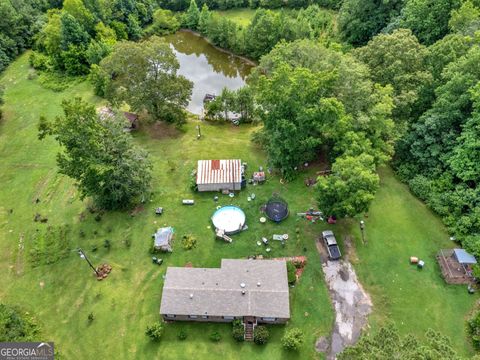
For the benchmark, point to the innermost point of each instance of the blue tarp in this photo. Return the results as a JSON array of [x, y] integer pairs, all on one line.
[[464, 257]]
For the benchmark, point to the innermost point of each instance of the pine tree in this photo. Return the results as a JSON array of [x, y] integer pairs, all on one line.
[[192, 16]]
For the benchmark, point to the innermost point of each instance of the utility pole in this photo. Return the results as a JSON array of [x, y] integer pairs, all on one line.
[[362, 229], [84, 256]]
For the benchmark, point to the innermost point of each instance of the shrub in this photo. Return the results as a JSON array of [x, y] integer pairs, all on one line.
[[90, 318], [39, 61], [16, 325], [292, 277], [215, 336], [182, 335], [155, 331], [107, 244], [293, 339], [473, 326], [238, 330], [189, 242], [260, 335]]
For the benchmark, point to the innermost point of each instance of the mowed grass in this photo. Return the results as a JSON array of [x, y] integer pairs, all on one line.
[[241, 16], [63, 294], [399, 226]]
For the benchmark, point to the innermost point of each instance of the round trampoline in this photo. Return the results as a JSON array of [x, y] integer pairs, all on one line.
[[276, 209], [230, 219]]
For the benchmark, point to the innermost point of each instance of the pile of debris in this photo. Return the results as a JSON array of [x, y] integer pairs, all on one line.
[[103, 271]]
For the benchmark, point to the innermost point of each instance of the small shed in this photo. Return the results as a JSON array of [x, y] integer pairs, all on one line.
[[163, 239], [131, 118], [218, 175], [456, 265]]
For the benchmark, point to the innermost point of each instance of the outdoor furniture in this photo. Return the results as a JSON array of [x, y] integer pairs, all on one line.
[[421, 264], [413, 260], [263, 220], [159, 210], [188, 202]]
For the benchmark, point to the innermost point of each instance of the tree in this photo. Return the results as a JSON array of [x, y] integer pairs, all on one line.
[[203, 19], [145, 76], [466, 19], [428, 19], [155, 331], [293, 339], [99, 155], [350, 188], [260, 335], [387, 344], [263, 32], [398, 59], [309, 96], [164, 22], [192, 16], [360, 20]]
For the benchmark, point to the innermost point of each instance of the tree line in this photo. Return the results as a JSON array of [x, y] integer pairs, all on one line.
[[21, 20], [182, 5], [266, 29]]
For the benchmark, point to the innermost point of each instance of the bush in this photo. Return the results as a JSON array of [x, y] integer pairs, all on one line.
[[292, 277], [155, 331], [90, 318], [39, 61], [16, 325], [215, 336], [182, 335], [293, 339], [238, 331], [260, 335], [57, 81], [189, 242], [473, 327], [107, 244]]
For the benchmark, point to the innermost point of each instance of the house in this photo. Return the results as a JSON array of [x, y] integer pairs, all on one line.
[[218, 175], [163, 239], [250, 290], [131, 118]]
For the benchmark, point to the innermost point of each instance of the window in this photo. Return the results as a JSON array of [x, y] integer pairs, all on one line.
[[169, 315], [228, 317], [204, 316], [269, 319], [192, 316]]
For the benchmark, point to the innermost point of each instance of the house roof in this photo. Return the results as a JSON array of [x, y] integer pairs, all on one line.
[[464, 257], [163, 236], [219, 291], [219, 171]]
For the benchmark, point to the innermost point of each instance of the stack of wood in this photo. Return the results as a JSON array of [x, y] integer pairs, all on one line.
[[103, 271]]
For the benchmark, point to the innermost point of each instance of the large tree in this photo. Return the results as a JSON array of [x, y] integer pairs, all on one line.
[[350, 188], [99, 155], [144, 75], [428, 19], [398, 59], [360, 20]]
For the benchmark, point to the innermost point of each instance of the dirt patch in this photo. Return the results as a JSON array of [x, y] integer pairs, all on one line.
[[351, 303], [161, 130]]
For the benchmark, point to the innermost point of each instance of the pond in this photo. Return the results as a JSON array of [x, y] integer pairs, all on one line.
[[209, 68]]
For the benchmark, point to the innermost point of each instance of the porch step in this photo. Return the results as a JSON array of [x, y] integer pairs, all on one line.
[[248, 332]]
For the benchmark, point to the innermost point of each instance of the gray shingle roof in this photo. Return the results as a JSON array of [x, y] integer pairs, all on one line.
[[218, 292]]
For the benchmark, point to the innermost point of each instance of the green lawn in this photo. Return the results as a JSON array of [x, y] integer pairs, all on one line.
[[241, 16], [63, 294]]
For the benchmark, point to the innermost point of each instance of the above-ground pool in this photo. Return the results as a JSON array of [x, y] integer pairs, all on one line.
[[231, 219]]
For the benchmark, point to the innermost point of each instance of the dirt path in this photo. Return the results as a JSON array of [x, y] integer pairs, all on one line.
[[351, 303]]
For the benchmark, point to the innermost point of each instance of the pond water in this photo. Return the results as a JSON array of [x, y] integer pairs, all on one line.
[[209, 68]]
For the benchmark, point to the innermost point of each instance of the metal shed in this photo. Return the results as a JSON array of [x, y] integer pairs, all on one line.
[[217, 175]]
